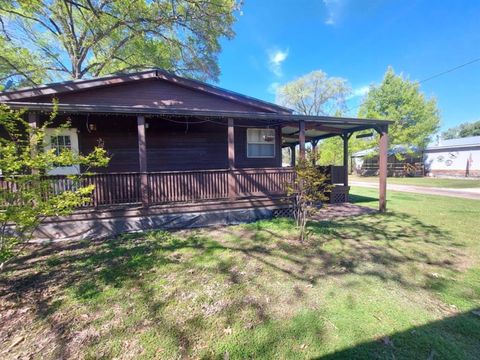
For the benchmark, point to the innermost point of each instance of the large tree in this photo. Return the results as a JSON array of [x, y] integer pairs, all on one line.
[[416, 118], [73, 39], [315, 94], [462, 130], [318, 94]]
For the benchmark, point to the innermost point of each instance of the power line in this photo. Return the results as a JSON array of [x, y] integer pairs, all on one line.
[[449, 70], [435, 76]]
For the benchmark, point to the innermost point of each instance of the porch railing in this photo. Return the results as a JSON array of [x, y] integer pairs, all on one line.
[[184, 186], [180, 186], [255, 182]]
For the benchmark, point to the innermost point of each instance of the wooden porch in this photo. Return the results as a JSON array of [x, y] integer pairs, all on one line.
[[180, 187], [236, 180]]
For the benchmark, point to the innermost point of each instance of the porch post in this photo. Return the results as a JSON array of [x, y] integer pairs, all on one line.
[[383, 169], [231, 159], [292, 155], [314, 151], [142, 159], [301, 138], [345, 138], [33, 119], [33, 122]]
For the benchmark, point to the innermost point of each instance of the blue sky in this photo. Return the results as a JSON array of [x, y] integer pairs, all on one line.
[[279, 40]]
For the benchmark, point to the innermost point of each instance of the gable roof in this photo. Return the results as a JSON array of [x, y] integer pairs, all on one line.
[[392, 150], [74, 86], [455, 143]]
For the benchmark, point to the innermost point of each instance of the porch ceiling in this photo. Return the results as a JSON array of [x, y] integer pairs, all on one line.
[[317, 127]]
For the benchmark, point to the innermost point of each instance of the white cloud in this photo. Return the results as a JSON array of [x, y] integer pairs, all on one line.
[[359, 92], [273, 87], [334, 9], [275, 60]]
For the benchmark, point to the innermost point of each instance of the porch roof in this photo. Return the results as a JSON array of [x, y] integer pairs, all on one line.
[[317, 127]]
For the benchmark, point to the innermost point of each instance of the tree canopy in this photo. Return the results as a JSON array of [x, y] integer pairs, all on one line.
[[318, 94], [45, 40], [462, 130], [314, 94], [396, 98]]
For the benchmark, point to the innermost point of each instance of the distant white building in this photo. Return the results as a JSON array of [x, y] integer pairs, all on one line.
[[455, 157], [410, 163]]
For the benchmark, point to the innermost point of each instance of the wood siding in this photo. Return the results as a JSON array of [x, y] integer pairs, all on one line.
[[149, 93], [172, 144]]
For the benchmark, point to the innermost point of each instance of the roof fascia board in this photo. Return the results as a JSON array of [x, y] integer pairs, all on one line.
[[129, 110]]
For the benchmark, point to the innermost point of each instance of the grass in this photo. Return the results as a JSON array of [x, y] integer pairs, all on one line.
[[401, 285], [425, 181]]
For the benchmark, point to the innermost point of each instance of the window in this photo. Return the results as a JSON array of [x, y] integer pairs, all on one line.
[[61, 142], [61, 139], [260, 143]]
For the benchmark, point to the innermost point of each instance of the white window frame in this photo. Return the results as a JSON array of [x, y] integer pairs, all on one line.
[[73, 134], [274, 143]]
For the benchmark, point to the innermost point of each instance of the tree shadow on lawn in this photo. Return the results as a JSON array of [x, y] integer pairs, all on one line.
[[381, 246], [355, 199], [422, 342], [382, 241]]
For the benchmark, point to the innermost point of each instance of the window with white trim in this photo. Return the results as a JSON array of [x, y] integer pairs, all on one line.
[[260, 143], [60, 142]]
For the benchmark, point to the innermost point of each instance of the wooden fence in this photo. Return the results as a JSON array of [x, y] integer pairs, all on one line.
[[394, 169], [178, 186]]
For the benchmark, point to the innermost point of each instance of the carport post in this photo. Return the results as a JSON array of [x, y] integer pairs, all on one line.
[[382, 164], [345, 138]]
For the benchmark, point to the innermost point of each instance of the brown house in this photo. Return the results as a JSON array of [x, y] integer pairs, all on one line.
[[183, 152]]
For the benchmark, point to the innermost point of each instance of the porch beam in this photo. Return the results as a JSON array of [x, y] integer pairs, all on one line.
[[301, 138], [142, 159], [382, 162], [307, 138], [326, 128], [318, 127], [327, 136], [321, 137], [231, 158]]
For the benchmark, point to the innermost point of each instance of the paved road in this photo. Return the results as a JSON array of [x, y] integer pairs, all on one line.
[[473, 193]]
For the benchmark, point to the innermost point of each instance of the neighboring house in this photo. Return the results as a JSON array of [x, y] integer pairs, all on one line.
[[183, 152], [454, 157], [402, 161]]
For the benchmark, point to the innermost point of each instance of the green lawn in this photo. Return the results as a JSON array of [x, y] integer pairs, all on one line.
[[425, 181], [401, 285]]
